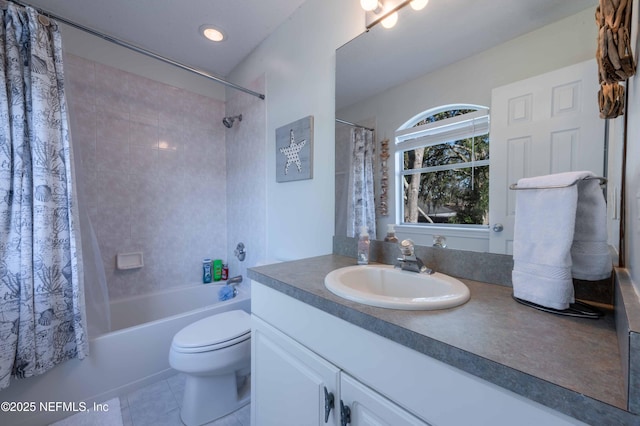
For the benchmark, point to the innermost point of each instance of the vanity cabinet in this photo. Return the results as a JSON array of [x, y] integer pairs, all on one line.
[[367, 407], [290, 385], [299, 350], [294, 386]]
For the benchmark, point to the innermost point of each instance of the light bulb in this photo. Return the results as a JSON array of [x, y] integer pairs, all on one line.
[[211, 33], [369, 5], [419, 4], [390, 21]]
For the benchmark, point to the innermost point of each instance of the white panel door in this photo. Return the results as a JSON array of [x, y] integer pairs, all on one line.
[[365, 407], [542, 125], [288, 381]]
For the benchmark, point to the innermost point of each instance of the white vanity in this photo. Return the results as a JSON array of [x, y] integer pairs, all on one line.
[[392, 367]]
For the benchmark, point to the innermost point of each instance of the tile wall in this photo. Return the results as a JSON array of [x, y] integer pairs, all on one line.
[[153, 174]]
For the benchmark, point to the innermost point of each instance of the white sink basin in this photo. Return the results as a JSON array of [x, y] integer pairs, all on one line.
[[387, 287]]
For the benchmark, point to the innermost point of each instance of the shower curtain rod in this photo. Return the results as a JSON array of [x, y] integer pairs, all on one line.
[[141, 50], [348, 123]]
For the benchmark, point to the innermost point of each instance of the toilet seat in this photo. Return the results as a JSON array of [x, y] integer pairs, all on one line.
[[213, 333]]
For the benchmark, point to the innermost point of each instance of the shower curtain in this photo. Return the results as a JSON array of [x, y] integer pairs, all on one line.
[[42, 318], [361, 208]]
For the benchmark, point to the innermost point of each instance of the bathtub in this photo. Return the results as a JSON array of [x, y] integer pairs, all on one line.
[[135, 354]]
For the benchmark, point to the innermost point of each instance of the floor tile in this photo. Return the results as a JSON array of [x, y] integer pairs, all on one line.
[[126, 416], [158, 404], [151, 403], [176, 384], [229, 420]]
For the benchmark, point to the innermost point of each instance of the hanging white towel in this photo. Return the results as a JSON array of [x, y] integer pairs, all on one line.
[[546, 225], [590, 252]]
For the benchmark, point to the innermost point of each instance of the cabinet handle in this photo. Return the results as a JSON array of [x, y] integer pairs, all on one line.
[[345, 414], [328, 404]]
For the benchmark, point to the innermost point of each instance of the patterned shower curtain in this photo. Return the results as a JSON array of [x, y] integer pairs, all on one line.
[[361, 208], [41, 290]]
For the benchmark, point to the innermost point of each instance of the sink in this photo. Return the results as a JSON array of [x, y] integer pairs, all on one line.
[[387, 287]]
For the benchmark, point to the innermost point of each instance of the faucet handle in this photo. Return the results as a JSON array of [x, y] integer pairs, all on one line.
[[407, 247]]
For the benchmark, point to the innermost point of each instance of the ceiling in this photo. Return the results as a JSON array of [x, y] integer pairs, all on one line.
[[444, 32], [170, 27], [449, 30]]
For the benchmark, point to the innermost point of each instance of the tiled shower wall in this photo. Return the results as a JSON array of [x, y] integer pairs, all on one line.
[[153, 174]]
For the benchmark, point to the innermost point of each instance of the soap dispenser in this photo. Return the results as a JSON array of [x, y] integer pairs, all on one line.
[[363, 246], [391, 233]]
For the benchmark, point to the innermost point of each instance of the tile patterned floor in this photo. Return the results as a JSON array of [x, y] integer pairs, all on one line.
[[158, 404]]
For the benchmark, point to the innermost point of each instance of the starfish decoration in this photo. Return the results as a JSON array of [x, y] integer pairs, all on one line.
[[292, 152]]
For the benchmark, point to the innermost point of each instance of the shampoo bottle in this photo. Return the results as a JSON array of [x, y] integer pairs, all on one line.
[[217, 270], [363, 246], [206, 270]]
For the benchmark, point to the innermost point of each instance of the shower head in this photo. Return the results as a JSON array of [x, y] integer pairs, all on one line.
[[228, 121]]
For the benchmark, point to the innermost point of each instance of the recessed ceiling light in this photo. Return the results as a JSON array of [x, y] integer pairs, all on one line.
[[212, 33]]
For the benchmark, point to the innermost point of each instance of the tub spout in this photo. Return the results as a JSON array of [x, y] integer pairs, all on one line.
[[235, 280]]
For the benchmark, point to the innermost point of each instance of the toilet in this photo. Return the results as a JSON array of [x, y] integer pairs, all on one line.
[[215, 355]]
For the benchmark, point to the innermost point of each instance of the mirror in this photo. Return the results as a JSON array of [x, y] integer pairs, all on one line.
[[451, 52]]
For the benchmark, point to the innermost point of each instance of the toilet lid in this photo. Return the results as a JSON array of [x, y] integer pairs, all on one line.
[[214, 332]]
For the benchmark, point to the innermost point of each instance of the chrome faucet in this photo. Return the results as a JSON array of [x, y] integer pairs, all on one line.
[[409, 261], [235, 280]]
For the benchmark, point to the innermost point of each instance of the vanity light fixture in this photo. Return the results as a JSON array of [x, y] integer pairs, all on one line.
[[212, 33], [390, 21], [369, 5], [419, 4], [386, 11]]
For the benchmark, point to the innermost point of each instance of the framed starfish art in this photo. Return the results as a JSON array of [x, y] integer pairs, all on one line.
[[294, 150]]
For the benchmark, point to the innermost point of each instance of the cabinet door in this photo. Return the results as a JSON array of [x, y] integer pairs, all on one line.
[[367, 407], [288, 381]]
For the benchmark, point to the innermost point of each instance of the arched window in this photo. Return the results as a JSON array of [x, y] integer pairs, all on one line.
[[443, 166]]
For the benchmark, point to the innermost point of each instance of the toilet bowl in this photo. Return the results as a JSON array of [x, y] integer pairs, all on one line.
[[215, 355]]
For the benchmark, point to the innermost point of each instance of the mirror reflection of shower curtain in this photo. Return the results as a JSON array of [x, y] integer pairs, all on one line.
[[361, 208]]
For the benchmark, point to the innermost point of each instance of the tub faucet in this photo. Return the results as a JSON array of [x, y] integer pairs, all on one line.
[[409, 261], [235, 280]]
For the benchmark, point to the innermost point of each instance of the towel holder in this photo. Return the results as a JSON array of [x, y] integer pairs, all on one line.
[[514, 186], [577, 309]]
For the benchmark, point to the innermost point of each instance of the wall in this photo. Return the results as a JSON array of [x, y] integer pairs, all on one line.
[[154, 173], [470, 81], [298, 61]]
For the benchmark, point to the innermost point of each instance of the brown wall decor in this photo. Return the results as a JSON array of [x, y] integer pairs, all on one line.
[[383, 208], [614, 54]]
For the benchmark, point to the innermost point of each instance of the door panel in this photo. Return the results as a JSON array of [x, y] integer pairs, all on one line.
[[545, 124]]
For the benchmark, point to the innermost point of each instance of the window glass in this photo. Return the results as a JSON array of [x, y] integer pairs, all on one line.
[[446, 181]]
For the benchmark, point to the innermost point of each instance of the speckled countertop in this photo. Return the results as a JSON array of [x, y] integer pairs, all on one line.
[[569, 364]]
